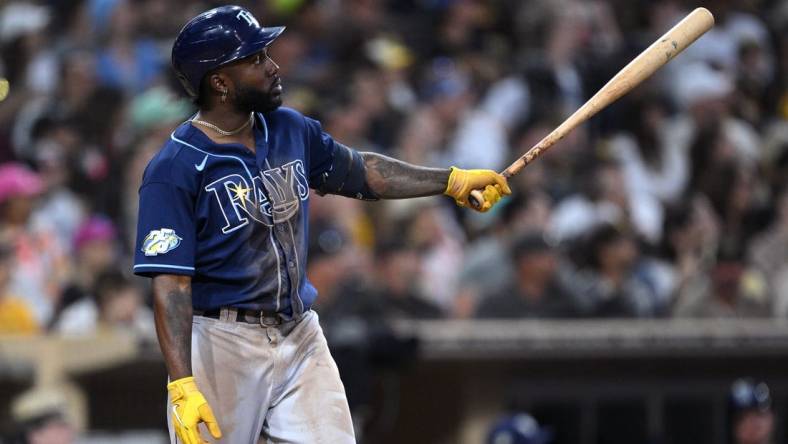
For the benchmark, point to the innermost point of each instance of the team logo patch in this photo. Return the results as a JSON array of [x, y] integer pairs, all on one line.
[[160, 241]]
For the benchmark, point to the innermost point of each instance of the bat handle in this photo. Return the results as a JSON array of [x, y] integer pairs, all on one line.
[[476, 199]]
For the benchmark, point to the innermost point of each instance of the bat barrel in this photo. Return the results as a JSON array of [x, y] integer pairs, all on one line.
[[652, 58], [665, 49]]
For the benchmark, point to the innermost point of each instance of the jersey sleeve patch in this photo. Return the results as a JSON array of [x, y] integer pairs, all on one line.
[[160, 241]]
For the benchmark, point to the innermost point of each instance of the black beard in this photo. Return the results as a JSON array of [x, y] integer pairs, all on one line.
[[249, 100]]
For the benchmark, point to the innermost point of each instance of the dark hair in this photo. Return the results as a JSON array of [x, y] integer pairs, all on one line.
[[201, 101], [601, 237], [16, 58], [702, 159], [593, 186], [677, 217], [108, 284], [511, 206], [391, 245], [529, 243], [647, 138]]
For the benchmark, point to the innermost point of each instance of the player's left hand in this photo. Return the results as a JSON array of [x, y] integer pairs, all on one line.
[[462, 182], [189, 409]]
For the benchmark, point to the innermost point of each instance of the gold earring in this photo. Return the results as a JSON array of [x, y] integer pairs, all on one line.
[[224, 95]]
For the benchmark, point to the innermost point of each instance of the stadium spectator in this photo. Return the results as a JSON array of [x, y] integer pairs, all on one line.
[[334, 269], [117, 305], [536, 289], [397, 266], [43, 416], [448, 95], [16, 316], [605, 200], [733, 291], [437, 235], [121, 307], [40, 262], [127, 60], [689, 252], [767, 254], [649, 164], [750, 409], [487, 268], [616, 281], [519, 428], [96, 251]]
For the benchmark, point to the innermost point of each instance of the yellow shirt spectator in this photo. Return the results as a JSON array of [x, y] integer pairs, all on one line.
[[16, 317]]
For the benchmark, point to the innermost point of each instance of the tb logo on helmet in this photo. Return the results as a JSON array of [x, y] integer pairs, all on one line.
[[248, 17]]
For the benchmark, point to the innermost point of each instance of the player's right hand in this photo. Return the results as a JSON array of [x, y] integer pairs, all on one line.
[[189, 408]]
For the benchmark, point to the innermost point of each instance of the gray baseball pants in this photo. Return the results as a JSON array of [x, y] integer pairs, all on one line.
[[276, 384]]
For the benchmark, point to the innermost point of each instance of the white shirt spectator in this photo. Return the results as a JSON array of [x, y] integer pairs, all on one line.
[[664, 182]]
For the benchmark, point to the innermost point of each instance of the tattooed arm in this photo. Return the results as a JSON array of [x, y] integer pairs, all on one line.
[[172, 308], [393, 179]]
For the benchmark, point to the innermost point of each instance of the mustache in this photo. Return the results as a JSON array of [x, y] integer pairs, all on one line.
[[277, 82]]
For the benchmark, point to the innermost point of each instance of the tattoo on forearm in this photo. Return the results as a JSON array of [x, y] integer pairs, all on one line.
[[173, 316], [393, 179]]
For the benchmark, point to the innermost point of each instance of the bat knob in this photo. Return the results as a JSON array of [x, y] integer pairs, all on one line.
[[476, 199]]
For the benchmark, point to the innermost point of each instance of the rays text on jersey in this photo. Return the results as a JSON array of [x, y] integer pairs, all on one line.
[[271, 197]]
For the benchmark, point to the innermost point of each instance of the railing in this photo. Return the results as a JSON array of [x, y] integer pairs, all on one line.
[[534, 339]]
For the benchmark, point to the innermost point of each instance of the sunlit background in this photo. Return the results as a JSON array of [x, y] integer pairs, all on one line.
[[637, 270]]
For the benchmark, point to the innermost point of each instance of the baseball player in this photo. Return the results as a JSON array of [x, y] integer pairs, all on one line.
[[222, 231], [750, 411], [519, 428]]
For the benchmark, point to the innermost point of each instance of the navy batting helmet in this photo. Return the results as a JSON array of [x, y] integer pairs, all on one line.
[[215, 38], [520, 428], [747, 394]]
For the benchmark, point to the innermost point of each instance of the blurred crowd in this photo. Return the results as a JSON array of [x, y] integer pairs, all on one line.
[[672, 202]]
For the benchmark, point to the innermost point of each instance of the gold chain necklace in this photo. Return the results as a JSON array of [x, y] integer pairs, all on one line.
[[223, 132]]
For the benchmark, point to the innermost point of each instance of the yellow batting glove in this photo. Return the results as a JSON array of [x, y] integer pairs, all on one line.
[[189, 408], [462, 182]]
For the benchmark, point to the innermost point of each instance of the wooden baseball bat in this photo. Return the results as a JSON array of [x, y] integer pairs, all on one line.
[[642, 67]]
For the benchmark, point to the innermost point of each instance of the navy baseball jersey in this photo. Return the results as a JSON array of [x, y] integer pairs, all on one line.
[[234, 220]]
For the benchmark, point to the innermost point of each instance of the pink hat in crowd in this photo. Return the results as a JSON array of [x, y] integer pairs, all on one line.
[[17, 180], [96, 228]]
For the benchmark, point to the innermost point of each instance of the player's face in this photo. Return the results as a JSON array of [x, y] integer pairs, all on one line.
[[754, 428], [258, 86]]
